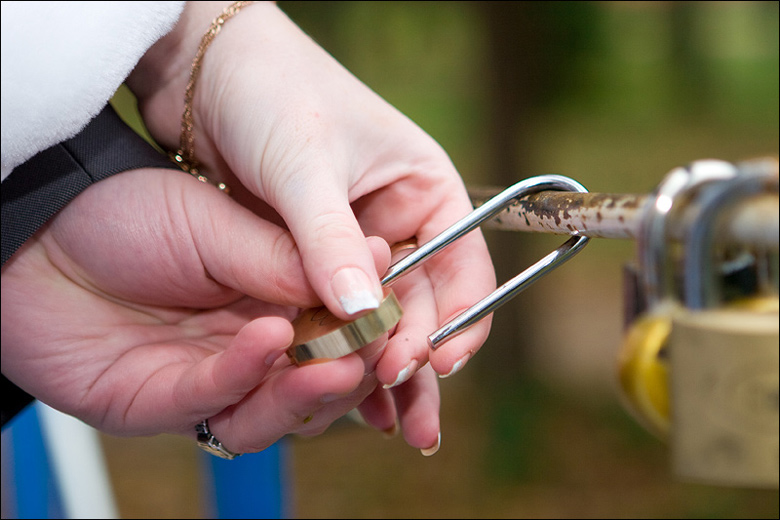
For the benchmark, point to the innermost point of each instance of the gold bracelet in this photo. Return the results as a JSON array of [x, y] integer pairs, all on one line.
[[185, 155]]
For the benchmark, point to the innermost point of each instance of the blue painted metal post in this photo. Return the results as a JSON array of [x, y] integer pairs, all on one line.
[[254, 485], [29, 487]]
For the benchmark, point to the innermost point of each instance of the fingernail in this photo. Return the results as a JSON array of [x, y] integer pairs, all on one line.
[[354, 290], [391, 432], [329, 398], [457, 366], [271, 358], [427, 452], [404, 374]]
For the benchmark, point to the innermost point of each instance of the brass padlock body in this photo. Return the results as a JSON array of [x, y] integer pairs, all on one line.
[[725, 397]]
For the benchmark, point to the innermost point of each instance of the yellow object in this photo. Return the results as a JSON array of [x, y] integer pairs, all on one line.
[[643, 372]]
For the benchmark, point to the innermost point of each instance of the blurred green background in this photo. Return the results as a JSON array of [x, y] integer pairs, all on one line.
[[613, 94]]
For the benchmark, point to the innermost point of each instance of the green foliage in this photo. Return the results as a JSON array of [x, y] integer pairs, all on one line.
[[620, 65]]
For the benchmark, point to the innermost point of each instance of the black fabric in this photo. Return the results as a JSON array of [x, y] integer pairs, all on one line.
[[35, 191], [14, 400], [42, 186]]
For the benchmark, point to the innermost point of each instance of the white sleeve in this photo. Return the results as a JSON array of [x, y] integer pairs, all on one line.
[[62, 62]]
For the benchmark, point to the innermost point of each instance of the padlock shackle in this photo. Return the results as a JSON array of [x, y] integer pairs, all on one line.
[[673, 191], [488, 210], [698, 290], [510, 289]]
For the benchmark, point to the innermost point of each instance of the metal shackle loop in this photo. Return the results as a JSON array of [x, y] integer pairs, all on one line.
[[513, 287], [652, 246], [699, 291]]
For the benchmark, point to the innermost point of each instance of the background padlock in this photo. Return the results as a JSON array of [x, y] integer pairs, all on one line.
[[642, 364], [724, 358]]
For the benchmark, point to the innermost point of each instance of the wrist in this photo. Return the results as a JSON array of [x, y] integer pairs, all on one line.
[[161, 77]]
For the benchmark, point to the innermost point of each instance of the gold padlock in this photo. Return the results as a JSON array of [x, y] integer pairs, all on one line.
[[642, 363], [320, 335], [724, 359]]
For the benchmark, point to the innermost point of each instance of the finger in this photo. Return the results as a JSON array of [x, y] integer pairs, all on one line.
[[460, 275], [380, 251], [246, 253], [335, 255], [378, 410], [407, 349], [418, 404], [225, 378], [460, 279], [287, 402], [206, 246], [321, 419]]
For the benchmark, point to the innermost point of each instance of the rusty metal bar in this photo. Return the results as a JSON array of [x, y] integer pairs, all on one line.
[[612, 215]]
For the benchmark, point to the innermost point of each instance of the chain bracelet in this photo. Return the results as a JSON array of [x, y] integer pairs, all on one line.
[[184, 157]]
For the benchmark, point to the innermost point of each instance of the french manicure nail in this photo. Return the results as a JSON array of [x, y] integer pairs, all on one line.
[[427, 452], [404, 374], [457, 366], [354, 290]]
